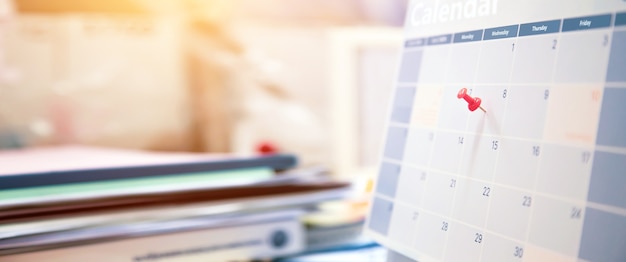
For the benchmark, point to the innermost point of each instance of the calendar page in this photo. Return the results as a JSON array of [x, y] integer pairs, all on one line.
[[506, 139]]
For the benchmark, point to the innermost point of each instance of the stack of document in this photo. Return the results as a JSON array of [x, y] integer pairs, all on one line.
[[78, 204]]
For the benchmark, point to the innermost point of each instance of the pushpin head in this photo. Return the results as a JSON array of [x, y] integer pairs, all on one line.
[[473, 103], [462, 93]]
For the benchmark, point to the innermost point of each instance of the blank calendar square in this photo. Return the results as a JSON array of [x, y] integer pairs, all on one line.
[[419, 146], [563, 164], [403, 224], [557, 225], [437, 60], [517, 162], [431, 234], [426, 106], [501, 249], [453, 115], [509, 213], [470, 205], [467, 242], [616, 71], [577, 66], [496, 61], [478, 154], [529, 51], [447, 150], [528, 123], [462, 63], [573, 114], [612, 126], [438, 194], [391, 173], [410, 67], [411, 184]]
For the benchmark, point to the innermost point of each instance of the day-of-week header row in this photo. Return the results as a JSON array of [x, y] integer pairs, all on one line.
[[536, 28]]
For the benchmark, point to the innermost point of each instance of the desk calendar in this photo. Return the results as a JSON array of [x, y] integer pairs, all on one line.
[[540, 175]]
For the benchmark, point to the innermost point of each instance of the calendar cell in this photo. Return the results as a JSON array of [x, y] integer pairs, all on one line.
[[438, 194], [411, 185], [574, 66], [509, 212], [453, 114], [616, 71], [564, 171], [436, 57], [517, 163], [496, 60], [403, 224], [556, 225], [493, 100], [403, 105], [612, 127], [478, 155], [537, 253], [396, 138], [529, 51], [465, 244], [432, 234], [501, 250], [573, 114], [447, 151], [608, 182], [388, 181], [404, 96], [418, 146], [383, 210], [463, 60], [529, 122], [471, 201], [410, 66], [427, 105], [603, 236]]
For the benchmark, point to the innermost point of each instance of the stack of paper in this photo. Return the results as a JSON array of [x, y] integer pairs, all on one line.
[[71, 203]]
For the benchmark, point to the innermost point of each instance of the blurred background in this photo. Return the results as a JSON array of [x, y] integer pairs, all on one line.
[[305, 77]]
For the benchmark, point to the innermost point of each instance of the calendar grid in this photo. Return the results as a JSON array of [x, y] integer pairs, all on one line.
[[432, 149], [607, 208], [493, 177], [619, 150], [457, 174], [540, 168], [500, 185], [527, 240], [457, 221], [460, 222]]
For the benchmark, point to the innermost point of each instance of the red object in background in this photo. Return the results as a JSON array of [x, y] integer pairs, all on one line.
[[266, 148]]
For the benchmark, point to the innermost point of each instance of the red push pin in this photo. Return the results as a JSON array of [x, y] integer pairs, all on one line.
[[473, 102]]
